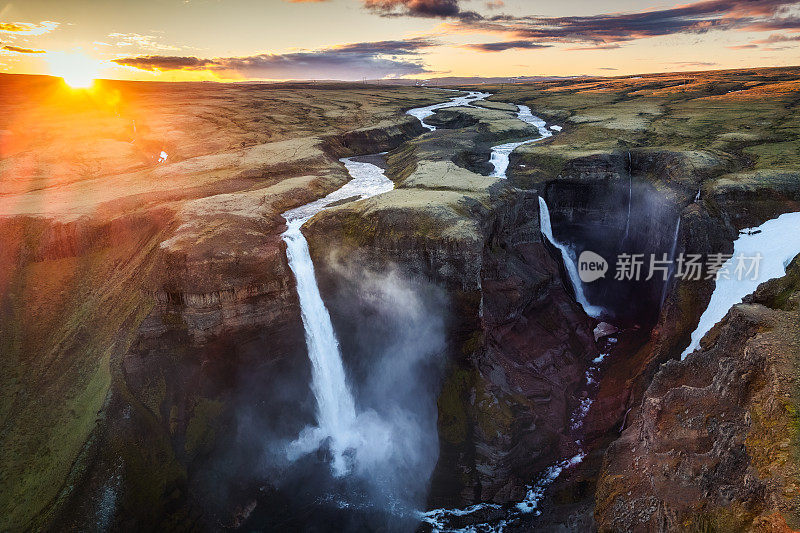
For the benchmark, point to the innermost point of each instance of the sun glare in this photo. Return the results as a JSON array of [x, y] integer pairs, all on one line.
[[77, 70]]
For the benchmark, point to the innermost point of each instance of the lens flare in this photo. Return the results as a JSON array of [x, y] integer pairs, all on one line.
[[77, 70]]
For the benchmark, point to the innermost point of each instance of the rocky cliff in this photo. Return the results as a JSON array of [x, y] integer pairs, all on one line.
[[714, 446]]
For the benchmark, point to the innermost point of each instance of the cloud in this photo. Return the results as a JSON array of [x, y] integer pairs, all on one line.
[[606, 29], [28, 28], [153, 63], [602, 30], [768, 42], [693, 63], [21, 50], [417, 8], [507, 45], [378, 59], [605, 46], [778, 38], [145, 42]]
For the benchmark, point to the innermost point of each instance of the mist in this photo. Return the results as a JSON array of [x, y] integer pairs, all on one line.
[[391, 329]]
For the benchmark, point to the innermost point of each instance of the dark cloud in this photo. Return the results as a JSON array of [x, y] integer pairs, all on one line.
[[774, 24], [379, 59], [21, 50], [607, 29], [601, 30], [398, 47], [416, 8], [506, 45], [165, 62]]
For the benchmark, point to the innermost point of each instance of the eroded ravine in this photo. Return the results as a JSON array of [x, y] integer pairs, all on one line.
[[486, 517]]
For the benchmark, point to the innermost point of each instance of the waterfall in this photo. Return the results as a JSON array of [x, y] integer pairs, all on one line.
[[569, 263], [335, 406], [776, 243], [500, 160], [439, 519], [336, 411]]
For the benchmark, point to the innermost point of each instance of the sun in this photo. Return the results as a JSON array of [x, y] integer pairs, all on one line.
[[77, 70]]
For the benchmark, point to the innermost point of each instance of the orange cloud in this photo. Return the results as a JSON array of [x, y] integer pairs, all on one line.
[[20, 50], [28, 28]]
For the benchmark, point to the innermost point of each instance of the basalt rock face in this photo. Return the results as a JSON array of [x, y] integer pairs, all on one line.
[[221, 302], [714, 444], [381, 137], [747, 199], [535, 346], [707, 227], [616, 204]]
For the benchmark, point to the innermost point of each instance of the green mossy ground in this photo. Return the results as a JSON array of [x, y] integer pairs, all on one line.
[[749, 118], [55, 368]]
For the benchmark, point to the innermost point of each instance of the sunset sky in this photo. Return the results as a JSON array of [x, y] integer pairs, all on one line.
[[230, 40]]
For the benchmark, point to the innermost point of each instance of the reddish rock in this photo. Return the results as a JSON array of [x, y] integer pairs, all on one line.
[[713, 445]]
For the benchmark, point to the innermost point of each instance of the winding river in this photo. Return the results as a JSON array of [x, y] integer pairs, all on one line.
[[421, 113]]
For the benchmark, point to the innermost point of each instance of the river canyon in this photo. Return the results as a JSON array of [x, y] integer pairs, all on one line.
[[355, 307]]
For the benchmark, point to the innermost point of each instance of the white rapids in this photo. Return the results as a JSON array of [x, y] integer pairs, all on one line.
[[421, 113], [501, 153], [777, 241], [337, 418]]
